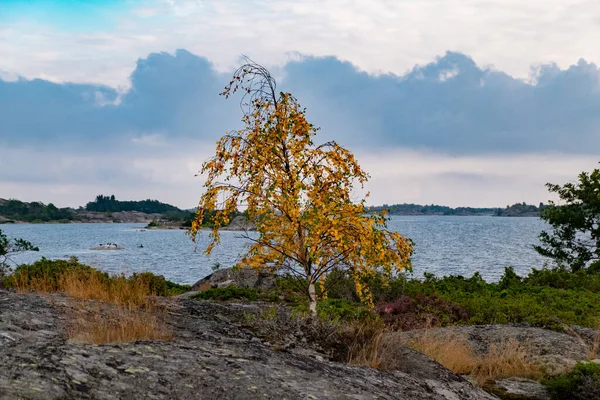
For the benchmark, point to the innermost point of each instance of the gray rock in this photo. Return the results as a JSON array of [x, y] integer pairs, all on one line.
[[241, 277], [557, 352], [526, 388], [240, 223], [211, 357]]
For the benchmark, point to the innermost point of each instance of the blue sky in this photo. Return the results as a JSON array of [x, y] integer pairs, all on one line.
[[74, 16], [444, 102]]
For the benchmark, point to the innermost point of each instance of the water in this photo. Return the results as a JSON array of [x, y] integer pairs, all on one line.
[[443, 246]]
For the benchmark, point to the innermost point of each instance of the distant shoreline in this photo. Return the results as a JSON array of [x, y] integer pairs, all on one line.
[[174, 227]]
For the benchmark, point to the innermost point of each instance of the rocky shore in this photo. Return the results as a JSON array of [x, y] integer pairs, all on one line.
[[212, 356]]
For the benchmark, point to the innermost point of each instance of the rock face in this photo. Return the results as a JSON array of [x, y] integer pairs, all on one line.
[[211, 357], [522, 388], [242, 277], [558, 352]]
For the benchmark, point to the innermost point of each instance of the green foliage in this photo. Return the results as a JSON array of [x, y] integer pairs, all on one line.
[[337, 310], [50, 271], [111, 204], [547, 298], [417, 209], [575, 240], [520, 210], [582, 383], [235, 293], [158, 285], [34, 212], [9, 247], [152, 224]]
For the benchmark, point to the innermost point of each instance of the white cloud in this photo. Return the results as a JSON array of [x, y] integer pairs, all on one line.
[[376, 35]]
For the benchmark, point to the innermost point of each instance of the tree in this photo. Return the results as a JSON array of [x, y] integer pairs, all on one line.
[[9, 247], [297, 193], [575, 240]]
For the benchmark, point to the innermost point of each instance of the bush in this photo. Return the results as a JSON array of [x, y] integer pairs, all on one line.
[[334, 310], [420, 311], [235, 293], [49, 276], [46, 274], [158, 285], [582, 383]]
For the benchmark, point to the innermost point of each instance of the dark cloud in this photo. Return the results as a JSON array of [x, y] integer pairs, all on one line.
[[455, 106], [450, 105]]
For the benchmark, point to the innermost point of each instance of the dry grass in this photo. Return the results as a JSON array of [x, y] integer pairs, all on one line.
[[117, 290], [454, 354], [25, 284], [375, 346], [108, 310], [509, 359], [370, 346], [116, 325]]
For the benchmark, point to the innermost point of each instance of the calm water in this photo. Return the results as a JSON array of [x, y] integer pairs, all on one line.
[[443, 245]]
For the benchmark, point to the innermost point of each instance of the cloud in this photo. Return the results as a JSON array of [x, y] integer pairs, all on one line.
[[449, 131], [452, 104], [449, 105], [377, 35]]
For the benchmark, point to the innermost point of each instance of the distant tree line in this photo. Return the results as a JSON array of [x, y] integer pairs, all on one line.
[[518, 209], [521, 209], [35, 211], [433, 209], [111, 204]]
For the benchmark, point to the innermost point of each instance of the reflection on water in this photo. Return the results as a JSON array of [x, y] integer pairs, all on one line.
[[443, 245]]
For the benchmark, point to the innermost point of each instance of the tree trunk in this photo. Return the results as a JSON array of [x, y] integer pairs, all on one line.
[[312, 297]]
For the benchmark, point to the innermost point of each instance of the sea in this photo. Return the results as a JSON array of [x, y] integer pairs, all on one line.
[[444, 245]]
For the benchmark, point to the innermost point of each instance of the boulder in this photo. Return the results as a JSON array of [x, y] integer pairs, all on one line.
[[520, 388], [556, 352], [241, 277]]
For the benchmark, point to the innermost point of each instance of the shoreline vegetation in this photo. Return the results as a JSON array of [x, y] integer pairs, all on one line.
[[106, 209]]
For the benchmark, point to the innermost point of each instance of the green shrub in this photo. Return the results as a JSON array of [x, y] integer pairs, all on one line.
[[337, 310], [582, 383], [158, 285], [235, 293], [49, 272]]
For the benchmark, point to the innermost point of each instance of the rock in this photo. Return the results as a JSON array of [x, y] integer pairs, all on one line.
[[109, 246], [240, 223], [556, 352], [4, 220], [211, 357], [520, 388], [241, 277]]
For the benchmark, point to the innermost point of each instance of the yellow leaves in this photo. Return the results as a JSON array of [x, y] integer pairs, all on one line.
[[297, 193]]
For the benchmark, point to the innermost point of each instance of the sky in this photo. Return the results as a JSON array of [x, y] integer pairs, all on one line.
[[460, 103]]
